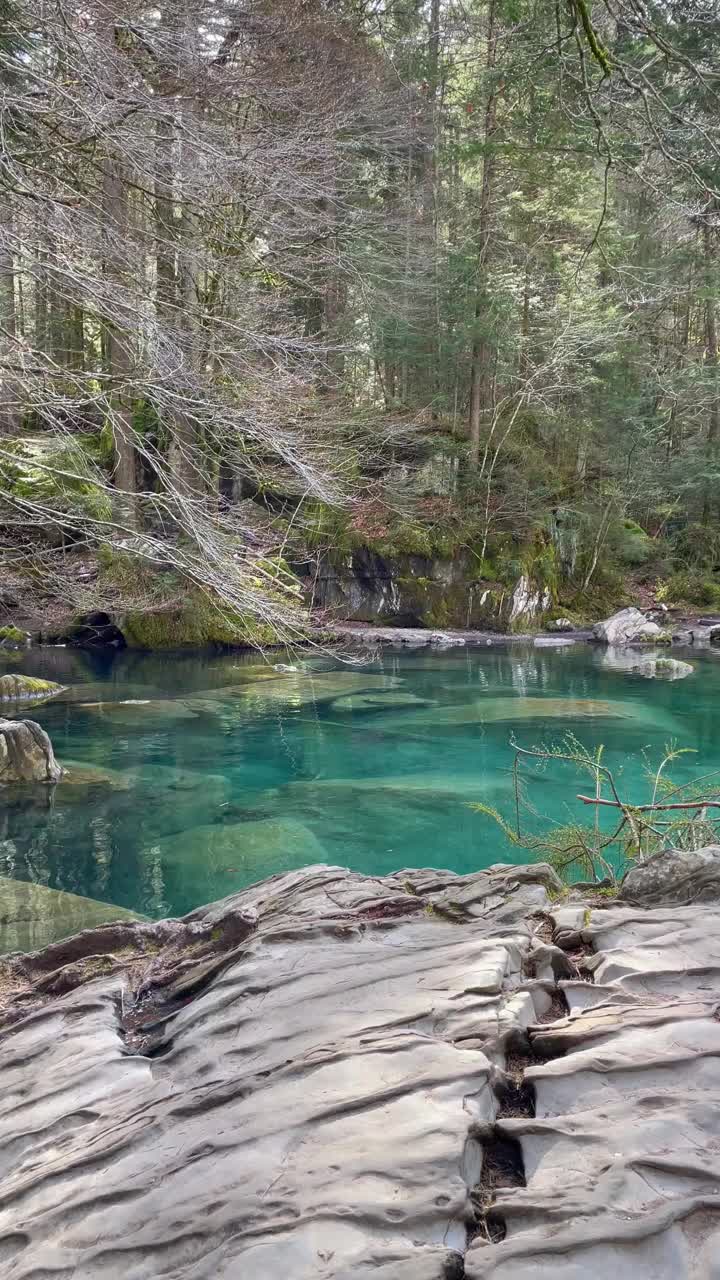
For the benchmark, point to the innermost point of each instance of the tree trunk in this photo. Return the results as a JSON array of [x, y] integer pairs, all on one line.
[[165, 281], [9, 389], [186, 470], [483, 355], [711, 354], [118, 346]]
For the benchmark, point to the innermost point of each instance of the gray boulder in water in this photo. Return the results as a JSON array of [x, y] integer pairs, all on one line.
[[628, 626], [26, 753], [675, 875]]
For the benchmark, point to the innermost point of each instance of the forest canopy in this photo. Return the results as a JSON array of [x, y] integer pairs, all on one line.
[[261, 263]]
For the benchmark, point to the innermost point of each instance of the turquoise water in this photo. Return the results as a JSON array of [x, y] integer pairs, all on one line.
[[208, 772]]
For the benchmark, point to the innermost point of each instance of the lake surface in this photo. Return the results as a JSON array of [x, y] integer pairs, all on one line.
[[191, 776]]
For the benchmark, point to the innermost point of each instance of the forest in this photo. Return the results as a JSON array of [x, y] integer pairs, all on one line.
[[376, 307]]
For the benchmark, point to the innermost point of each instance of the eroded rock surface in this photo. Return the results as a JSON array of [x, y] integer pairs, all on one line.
[[336, 1077]]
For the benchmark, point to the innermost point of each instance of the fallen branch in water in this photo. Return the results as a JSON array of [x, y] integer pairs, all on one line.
[[643, 808]]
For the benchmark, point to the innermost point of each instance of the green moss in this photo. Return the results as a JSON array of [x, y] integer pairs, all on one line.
[[177, 614], [14, 687], [12, 634], [198, 623], [61, 475]]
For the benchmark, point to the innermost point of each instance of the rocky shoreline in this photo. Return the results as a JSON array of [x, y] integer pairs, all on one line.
[[328, 1076]]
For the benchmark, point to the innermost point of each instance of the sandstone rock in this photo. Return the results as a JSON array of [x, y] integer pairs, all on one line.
[[17, 688], [628, 626], [26, 753], [674, 875]]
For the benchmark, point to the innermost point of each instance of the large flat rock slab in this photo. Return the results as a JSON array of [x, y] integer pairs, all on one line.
[[338, 1077]]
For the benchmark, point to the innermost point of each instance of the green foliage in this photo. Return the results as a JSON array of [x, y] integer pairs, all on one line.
[[693, 587], [698, 546], [57, 475], [628, 544], [12, 635], [603, 850]]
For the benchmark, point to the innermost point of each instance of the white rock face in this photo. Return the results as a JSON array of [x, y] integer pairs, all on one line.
[[528, 602], [628, 626]]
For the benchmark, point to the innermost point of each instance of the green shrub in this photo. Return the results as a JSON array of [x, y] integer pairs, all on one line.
[[628, 543], [698, 546], [693, 588]]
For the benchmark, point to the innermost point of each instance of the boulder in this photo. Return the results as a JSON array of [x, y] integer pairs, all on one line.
[[674, 876], [561, 624], [15, 688], [13, 638], [628, 626], [26, 753]]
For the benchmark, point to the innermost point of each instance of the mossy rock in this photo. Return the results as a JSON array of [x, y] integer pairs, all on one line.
[[197, 624], [17, 688], [13, 638]]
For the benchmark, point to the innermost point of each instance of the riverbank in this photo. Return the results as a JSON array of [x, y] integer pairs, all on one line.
[[416, 1077]]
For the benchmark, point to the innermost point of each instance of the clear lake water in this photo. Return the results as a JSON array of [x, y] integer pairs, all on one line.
[[191, 776]]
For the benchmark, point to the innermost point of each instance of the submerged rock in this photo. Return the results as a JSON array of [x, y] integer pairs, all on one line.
[[26, 753], [628, 626], [391, 698], [17, 688], [32, 916], [339, 1077], [240, 846], [491, 709], [652, 666]]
